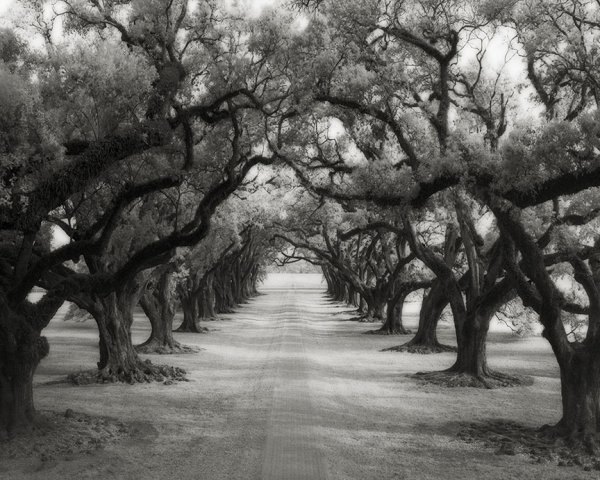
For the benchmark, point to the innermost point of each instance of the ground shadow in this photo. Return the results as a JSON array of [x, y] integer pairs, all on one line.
[[506, 437]]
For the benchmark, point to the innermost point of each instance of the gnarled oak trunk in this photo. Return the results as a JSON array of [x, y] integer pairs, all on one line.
[[471, 367], [114, 315], [206, 298], [580, 389], [425, 340], [21, 349], [16, 383], [191, 315], [471, 358], [159, 306], [119, 361], [393, 324]]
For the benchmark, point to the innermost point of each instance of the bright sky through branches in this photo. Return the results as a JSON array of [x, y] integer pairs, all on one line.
[[5, 5], [253, 5]]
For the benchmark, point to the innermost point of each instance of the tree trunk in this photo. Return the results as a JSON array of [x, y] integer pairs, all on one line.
[[347, 294], [255, 280], [16, 401], [339, 290], [222, 297], [471, 358], [393, 323], [471, 337], [580, 389], [225, 294], [208, 297], [22, 347], [161, 337], [16, 383], [354, 301], [362, 305], [380, 309], [236, 288], [369, 315], [191, 315], [246, 287], [158, 305], [119, 360], [114, 315], [425, 340], [470, 368], [335, 293], [375, 307], [431, 311], [328, 280]]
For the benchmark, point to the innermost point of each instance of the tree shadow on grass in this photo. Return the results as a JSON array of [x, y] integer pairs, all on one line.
[[55, 435], [506, 437]]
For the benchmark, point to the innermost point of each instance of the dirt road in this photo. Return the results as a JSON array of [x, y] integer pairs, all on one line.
[[287, 388], [292, 449]]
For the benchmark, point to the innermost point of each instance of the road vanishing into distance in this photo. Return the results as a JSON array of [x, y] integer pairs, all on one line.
[[292, 447], [288, 387]]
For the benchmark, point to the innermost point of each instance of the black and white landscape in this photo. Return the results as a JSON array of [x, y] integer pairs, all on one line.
[[299, 239]]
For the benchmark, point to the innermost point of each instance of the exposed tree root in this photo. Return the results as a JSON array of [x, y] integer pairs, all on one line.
[[543, 445], [346, 312], [159, 348], [387, 331], [365, 319], [585, 440], [227, 310], [56, 434], [452, 379], [421, 349], [197, 330], [145, 372]]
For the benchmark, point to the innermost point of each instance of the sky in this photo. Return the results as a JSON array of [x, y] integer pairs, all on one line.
[[256, 5], [4, 6]]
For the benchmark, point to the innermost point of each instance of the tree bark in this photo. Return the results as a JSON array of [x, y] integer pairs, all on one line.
[[471, 358], [21, 349], [580, 389], [393, 324], [362, 305], [208, 298], [119, 361], [191, 316], [16, 383], [375, 306], [380, 308], [338, 291], [114, 316], [159, 306], [425, 340]]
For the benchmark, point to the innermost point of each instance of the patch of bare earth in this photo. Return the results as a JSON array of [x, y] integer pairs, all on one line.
[[421, 349], [384, 331], [492, 380], [146, 374], [511, 438], [152, 349], [59, 435]]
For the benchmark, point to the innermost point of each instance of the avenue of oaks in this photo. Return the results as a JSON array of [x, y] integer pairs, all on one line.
[[162, 154]]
